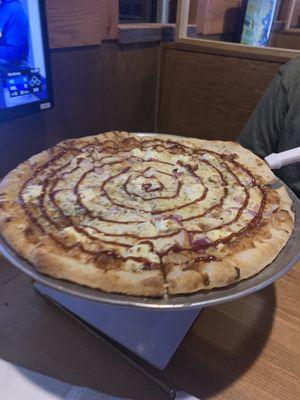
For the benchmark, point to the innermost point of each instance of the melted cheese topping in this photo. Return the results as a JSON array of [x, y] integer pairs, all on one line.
[[143, 200]]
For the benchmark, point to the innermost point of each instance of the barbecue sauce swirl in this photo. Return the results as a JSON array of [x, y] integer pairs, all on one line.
[[51, 217]]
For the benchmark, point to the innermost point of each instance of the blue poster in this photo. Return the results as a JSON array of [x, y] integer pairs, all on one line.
[[258, 22]]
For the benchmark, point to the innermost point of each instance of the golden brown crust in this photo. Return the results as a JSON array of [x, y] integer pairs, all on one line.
[[147, 283], [247, 257], [246, 261], [13, 221], [240, 259]]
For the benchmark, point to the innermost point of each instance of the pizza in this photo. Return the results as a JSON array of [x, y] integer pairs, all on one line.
[[145, 215]]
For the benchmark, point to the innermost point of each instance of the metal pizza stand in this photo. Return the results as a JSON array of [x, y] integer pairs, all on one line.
[[153, 328]]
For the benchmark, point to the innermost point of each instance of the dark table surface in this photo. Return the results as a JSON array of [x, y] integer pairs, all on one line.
[[246, 349]]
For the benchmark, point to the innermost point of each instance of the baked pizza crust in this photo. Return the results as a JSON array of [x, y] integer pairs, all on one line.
[[241, 259], [246, 260], [147, 283], [46, 256], [250, 255]]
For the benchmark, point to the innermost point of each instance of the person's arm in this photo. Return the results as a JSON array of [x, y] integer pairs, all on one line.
[[16, 39], [262, 132]]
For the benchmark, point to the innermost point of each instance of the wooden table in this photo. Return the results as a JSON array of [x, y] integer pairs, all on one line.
[[246, 349]]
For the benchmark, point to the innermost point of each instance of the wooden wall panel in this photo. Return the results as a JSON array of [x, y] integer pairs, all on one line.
[[95, 89], [20, 139], [106, 88], [283, 11], [287, 40], [80, 23], [209, 95], [296, 15], [196, 11], [215, 16]]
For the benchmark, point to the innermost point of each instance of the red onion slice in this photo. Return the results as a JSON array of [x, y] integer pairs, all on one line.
[[253, 213], [87, 164], [176, 174], [149, 173], [201, 244], [238, 199], [176, 218]]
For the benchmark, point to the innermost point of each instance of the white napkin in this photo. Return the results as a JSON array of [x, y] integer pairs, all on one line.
[[18, 383]]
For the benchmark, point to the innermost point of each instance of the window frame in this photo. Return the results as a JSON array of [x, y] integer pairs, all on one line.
[[183, 8], [290, 12]]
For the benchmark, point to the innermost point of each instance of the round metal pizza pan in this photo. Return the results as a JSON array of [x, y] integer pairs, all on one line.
[[285, 260]]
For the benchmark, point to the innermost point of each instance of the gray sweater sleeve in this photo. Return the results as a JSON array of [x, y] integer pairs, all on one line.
[[275, 123], [262, 132]]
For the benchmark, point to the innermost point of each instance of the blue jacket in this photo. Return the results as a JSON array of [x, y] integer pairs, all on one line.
[[14, 31]]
